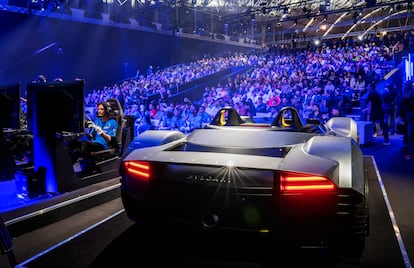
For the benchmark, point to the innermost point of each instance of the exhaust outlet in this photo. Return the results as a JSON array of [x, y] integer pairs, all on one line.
[[209, 221]]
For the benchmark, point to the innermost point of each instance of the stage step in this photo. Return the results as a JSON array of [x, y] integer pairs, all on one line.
[[55, 208]]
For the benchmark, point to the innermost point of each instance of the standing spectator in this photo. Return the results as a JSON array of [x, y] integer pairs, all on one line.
[[389, 99], [375, 113], [363, 102], [407, 113]]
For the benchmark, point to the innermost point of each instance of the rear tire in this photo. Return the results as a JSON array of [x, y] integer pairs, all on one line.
[[130, 208], [351, 250]]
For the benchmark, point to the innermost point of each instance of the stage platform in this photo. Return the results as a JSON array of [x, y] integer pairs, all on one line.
[[22, 215]]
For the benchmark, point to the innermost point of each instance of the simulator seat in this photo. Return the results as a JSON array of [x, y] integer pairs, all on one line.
[[107, 153], [98, 160]]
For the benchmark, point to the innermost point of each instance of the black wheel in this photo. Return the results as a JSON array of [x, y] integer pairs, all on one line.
[[130, 207], [351, 250]]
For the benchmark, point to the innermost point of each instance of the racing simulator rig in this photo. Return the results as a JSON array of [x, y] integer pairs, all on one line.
[[51, 135]]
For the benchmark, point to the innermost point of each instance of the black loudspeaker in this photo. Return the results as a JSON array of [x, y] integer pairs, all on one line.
[[371, 3], [29, 183]]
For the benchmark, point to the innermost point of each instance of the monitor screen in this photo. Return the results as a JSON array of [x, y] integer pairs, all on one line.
[[10, 109], [55, 107]]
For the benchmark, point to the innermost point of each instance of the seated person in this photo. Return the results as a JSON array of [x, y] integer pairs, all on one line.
[[101, 132]]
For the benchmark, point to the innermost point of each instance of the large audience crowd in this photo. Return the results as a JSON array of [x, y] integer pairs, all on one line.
[[321, 82], [315, 81]]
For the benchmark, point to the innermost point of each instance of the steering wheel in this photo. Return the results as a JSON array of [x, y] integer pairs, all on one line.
[[288, 117]]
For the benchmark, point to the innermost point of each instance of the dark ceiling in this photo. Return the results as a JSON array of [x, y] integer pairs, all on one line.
[[258, 22]]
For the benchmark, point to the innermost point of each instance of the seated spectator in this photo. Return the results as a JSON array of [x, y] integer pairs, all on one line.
[[261, 107], [178, 121], [193, 120], [166, 121], [315, 114], [204, 117], [272, 112], [335, 112]]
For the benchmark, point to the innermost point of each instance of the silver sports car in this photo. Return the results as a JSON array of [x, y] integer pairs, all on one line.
[[301, 184]]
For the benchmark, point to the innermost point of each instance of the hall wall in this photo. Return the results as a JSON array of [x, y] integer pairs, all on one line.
[[33, 45]]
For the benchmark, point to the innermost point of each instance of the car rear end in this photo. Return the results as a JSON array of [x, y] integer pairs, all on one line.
[[287, 206], [277, 185]]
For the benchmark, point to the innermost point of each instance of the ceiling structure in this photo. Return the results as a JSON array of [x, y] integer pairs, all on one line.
[[283, 21], [258, 22]]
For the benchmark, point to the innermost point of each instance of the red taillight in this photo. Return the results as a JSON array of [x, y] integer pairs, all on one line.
[[139, 170], [297, 182]]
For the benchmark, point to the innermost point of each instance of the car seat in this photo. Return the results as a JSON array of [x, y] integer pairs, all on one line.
[[227, 116], [287, 118]]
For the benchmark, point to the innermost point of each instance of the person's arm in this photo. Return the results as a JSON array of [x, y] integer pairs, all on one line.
[[106, 136], [112, 131], [90, 129], [102, 133]]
